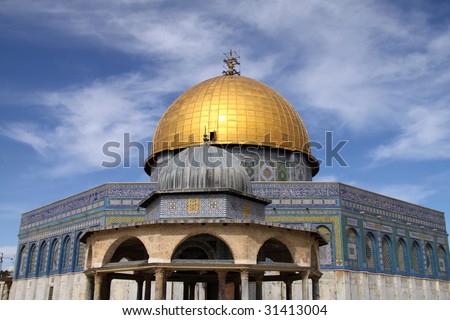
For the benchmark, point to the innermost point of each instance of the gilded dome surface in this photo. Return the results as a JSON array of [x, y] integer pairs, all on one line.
[[240, 110]]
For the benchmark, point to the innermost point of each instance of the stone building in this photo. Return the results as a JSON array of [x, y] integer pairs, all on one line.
[[231, 212], [5, 287]]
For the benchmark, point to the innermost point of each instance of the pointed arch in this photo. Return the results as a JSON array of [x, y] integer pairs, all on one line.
[[370, 251], [203, 247], [22, 260], [43, 257], [67, 254], [442, 262], [274, 250], [416, 265], [402, 255], [33, 260], [326, 252], [386, 254], [130, 249], [429, 260], [54, 256], [352, 247], [79, 252]]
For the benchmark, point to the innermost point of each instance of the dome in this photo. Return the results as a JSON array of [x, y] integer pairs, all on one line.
[[204, 167], [239, 110]]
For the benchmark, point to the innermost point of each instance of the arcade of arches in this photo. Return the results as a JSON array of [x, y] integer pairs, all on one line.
[[209, 260]]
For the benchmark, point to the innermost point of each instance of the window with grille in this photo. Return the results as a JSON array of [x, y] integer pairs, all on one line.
[[401, 251], [442, 262], [43, 258], [33, 260], [415, 258], [80, 256], [386, 253], [429, 259], [55, 257], [23, 260], [67, 262], [370, 251], [352, 247]]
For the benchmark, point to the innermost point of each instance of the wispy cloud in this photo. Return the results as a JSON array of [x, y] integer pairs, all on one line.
[[326, 178], [87, 117], [425, 135], [10, 212], [406, 192]]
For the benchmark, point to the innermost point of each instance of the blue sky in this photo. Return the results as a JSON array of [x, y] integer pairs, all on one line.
[[77, 74]]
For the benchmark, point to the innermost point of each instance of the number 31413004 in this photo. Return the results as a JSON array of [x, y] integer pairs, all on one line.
[[295, 310]]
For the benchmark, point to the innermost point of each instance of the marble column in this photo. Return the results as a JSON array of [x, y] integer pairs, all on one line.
[[148, 288], [89, 293], [288, 284], [244, 285], [186, 288], [315, 289], [305, 286], [189, 290], [192, 290], [106, 290], [140, 289], [98, 285], [222, 276], [259, 285], [160, 284]]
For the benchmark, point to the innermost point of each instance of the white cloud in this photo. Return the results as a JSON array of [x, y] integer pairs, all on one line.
[[87, 117], [425, 135], [406, 192], [326, 178], [11, 212]]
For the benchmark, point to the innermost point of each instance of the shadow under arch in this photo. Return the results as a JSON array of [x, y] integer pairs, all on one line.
[[130, 249], [202, 247], [274, 250]]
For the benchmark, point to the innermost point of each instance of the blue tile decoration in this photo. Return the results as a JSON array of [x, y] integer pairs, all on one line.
[[316, 203]]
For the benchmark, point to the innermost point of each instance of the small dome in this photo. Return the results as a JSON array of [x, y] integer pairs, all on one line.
[[204, 167]]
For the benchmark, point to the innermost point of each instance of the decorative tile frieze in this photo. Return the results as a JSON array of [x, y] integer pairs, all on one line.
[[352, 222]]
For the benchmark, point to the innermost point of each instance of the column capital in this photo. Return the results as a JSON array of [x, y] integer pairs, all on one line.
[[305, 274], [244, 274], [160, 272]]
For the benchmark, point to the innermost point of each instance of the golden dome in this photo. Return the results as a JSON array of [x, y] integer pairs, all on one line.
[[239, 109]]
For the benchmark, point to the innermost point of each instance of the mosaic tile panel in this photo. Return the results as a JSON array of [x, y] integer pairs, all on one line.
[[251, 168], [282, 173], [266, 171], [193, 206]]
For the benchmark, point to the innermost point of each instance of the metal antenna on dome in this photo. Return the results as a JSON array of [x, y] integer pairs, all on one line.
[[205, 137], [230, 64]]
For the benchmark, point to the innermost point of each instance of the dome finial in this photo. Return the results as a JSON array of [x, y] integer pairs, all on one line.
[[230, 63]]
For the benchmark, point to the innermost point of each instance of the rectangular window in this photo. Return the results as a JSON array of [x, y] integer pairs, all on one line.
[[50, 293]]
